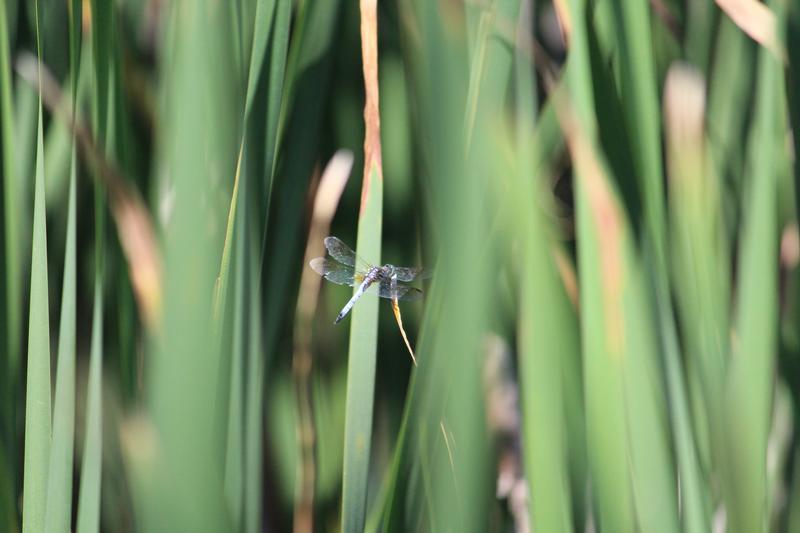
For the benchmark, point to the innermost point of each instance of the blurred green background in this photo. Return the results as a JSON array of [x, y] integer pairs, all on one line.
[[606, 191]]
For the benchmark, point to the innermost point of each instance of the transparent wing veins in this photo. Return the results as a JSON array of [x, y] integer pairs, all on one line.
[[411, 273], [333, 271], [391, 291], [345, 255]]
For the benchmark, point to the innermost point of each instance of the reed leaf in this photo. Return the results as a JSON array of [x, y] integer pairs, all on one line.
[[37, 396]]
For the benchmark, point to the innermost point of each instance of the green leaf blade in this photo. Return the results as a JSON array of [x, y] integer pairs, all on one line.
[[37, 398], [88, 520], [361, 365], [59, 494]]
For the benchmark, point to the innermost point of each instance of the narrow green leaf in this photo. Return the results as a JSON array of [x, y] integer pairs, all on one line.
[[102, 55], [277, 74], [700, 260], [234, 453], [88, 520], [364, 320], [361, 365], [12, 224], [605, 416], [604, 419], [223, 279], [37, 397], [749, 390], [545, 338], [699, 32], [104, 122], [265, 11], [58, 145], [59, 492], [75, 39], [579, 70], [731, 89], [12, 290], [254, 400], [793, 86], [641, 111]]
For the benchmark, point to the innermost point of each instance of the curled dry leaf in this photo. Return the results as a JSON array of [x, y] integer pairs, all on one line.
[[331, 187]]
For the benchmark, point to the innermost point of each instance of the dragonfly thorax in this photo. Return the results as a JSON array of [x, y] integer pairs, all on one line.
[[380, 272], [377, 273]]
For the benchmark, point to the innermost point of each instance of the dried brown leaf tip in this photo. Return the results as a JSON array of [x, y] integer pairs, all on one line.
[[137, 237], [568, 276], [684, 104], [684, 119], [756, 20], [564, 19], [372, 119]]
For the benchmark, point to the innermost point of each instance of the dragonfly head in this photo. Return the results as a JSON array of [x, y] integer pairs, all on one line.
[[387, 270]]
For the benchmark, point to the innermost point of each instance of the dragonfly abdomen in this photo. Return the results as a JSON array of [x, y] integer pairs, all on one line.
[[369, 279]]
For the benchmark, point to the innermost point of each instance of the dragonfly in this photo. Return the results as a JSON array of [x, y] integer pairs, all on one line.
[[346, 268]]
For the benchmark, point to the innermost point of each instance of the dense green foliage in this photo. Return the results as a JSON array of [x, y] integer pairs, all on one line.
[[605, 190]]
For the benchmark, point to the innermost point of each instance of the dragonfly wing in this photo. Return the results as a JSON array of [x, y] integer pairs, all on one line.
[[333, 271], [393, 291], [411, 273], [340, 251], [345, 255]]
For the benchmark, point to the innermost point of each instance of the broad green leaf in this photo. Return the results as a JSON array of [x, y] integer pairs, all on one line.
[[198, 150]]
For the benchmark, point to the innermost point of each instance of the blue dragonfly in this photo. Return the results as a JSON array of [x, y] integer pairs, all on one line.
[[346, 268]]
